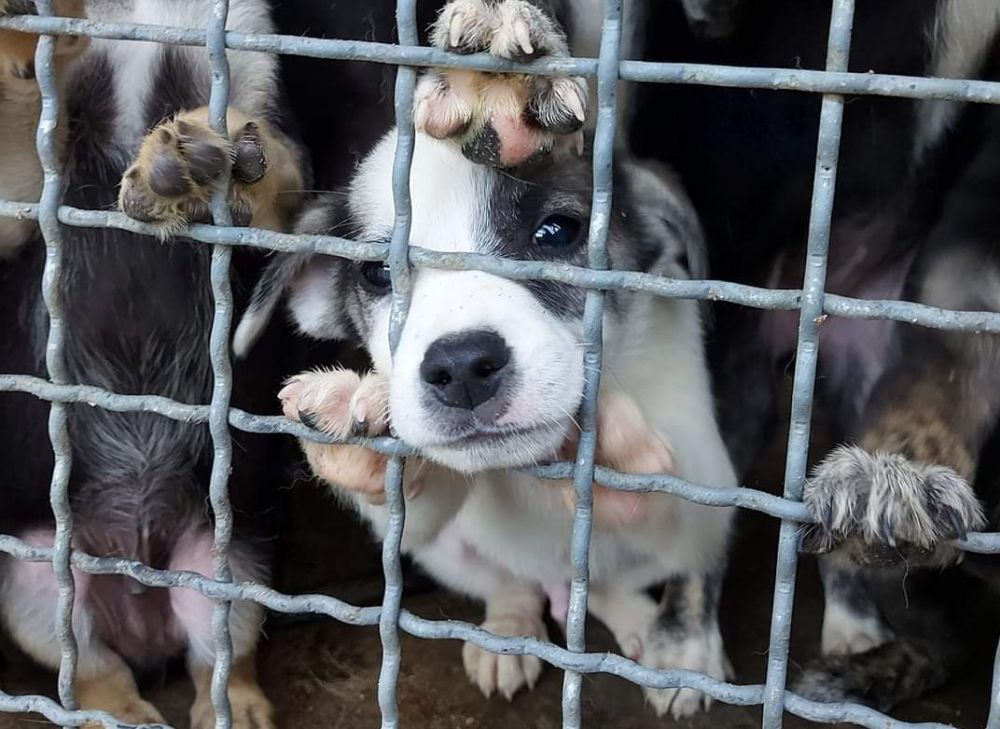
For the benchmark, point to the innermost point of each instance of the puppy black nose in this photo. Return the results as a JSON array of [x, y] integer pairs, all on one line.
[[465, 370]]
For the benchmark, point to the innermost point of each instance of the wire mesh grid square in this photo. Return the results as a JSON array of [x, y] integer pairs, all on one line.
[[812, 302]]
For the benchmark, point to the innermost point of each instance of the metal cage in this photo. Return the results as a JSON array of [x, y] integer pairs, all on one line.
[[811, 301]]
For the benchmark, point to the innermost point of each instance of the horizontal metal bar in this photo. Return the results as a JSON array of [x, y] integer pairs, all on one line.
[[249, 422], [742, 497], [32, 704], [744, 695], [706, 290], [779, 79]]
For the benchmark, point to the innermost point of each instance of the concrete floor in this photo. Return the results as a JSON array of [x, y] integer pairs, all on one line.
[[323, 674]]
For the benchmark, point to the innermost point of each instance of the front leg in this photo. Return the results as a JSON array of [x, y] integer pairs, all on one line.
[[681, 631], [626, 442], [500, 119], [903, 493], [181, 164]]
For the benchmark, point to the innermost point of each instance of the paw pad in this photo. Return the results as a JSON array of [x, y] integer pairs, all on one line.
[[501, 120], [181, 164]]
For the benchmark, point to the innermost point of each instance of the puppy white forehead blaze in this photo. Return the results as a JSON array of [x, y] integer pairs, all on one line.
[[488, 372]]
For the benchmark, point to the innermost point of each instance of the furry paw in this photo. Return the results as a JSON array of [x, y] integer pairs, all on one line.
[[342, 403], [181, 164], [499, 119], [122, 702], [702, 652], [885, 508], [626, 443], [506, 674], [881, 677], [338, 402], [250, 709]]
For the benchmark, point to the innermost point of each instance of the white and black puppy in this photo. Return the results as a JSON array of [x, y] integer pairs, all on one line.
[[137, 316], [489, 372]]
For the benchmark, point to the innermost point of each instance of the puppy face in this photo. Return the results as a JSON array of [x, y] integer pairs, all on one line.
[[488, 372]]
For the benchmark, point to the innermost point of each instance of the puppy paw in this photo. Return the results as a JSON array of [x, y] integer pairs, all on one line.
[[341, 403], [505, 674], [700, 652], [338, 402], [884, 508], [249, 707], [627, 443], [118, 698], [181, 164], [499, 119]]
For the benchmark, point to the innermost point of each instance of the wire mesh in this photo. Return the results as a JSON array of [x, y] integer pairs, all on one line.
[[812, 302]]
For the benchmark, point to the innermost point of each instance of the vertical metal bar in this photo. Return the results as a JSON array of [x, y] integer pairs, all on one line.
[[399, 272], [593, 319], [222, 371], [810, 318], [993, 722], [48, 220]]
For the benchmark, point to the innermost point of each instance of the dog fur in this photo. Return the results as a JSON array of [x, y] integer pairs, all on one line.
[[475, 524], [138, 313], [914, 219]]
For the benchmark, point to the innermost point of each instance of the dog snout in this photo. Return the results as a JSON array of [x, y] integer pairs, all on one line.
[[465, 370]]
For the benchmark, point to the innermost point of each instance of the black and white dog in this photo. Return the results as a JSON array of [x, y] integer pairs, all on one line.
[[915, 218], [133, 130], [489, 372]]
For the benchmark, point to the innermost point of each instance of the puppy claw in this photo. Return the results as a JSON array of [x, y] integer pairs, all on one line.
[[249, 158], [523, 35], [505, 674], [456, 28]]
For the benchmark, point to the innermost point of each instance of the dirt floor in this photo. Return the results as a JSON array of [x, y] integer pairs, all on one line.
[[323, 674]]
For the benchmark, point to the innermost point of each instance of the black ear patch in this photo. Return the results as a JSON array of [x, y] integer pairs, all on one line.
[[277, 277], [287, 273]]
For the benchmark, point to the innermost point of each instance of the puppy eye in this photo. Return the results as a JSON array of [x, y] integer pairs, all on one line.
[[558, 232], [374, 277]]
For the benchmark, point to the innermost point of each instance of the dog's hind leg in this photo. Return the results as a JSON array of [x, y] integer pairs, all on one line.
[[182, 161], [193, 612], [28, 597]]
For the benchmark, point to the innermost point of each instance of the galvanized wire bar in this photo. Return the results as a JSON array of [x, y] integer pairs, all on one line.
[[707, 290], [457, 630], [810, 318], [222, 371], [993, 720], [48, 208], [742, 497], [399, 275], [835, 82], [779, 79], [593, 328]]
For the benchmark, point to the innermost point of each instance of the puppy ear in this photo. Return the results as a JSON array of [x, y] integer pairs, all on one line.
[[671, 220], [311, 283]]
